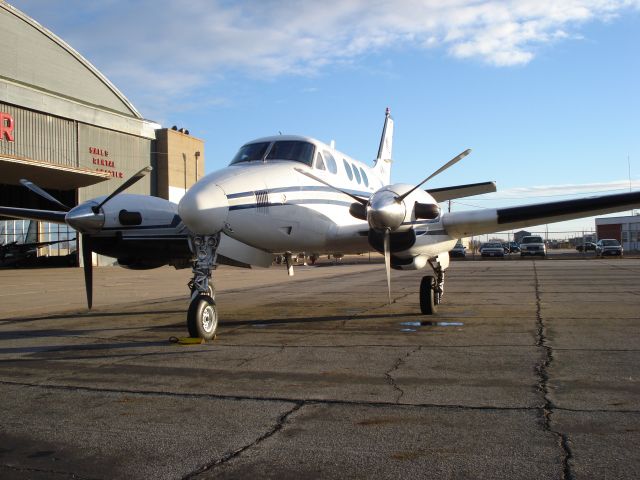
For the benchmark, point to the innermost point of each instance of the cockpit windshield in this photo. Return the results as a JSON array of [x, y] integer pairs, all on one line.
[[294, 150], [251, 152]]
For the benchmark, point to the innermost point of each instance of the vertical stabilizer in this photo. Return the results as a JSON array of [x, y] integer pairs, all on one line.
[[32, 232], [382, 166]]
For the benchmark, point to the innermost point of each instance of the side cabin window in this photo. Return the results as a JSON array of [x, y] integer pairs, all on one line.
[[348, 169], [364, 177], [331, 162], [251, 152], [356, 173], [319, 163], [292, 150]]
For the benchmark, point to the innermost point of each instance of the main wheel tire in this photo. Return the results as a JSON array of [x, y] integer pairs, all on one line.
[[202, 317], [212, 292], [428, 301]]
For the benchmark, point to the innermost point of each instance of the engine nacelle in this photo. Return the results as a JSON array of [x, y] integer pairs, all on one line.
[[138, 264], [413, 263]]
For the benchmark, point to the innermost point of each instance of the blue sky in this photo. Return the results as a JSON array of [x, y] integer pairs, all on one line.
[[544, 92]]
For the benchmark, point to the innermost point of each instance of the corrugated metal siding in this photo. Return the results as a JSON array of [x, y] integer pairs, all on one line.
[[127, 152], [40, 137]]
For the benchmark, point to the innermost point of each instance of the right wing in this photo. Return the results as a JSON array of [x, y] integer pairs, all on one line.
[[490, 220]]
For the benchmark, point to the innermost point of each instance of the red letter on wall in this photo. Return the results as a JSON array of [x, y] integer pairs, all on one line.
[[6, 127]]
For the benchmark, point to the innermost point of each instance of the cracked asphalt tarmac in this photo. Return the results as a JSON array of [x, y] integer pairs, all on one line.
[[529, 370]]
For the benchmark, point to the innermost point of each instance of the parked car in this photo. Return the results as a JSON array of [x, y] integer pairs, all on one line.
[[458, 251], [511, 247], [492, 249], [532, 245], [514, 247], [608, 246], [587, 247]]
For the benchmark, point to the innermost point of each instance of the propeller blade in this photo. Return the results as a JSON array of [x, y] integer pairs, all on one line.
[[450, 163], [139, 175], [87, 260], [38, 191], [361, 200], [387, 260]]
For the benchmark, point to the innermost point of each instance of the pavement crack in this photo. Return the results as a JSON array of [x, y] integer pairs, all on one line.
[[279, 425], [397, 364], [31, 470], [542, 370]]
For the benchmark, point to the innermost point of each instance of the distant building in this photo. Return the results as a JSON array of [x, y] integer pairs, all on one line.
[[518, 236], [624, 229], [67, 128]]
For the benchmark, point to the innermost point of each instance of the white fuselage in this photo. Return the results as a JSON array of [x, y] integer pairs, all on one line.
[[275, 208]]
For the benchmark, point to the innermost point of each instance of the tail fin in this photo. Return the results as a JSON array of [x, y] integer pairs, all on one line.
[[32, 232], [382, 166]]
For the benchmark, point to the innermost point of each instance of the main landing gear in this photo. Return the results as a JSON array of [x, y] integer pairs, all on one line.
[[432, 290], [202, 316]]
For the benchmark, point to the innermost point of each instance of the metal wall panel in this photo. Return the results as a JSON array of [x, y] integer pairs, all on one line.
[[119, 154], [40, 137]]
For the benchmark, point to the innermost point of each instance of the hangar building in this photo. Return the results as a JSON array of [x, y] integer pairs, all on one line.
[[68, 129], [624, 229]]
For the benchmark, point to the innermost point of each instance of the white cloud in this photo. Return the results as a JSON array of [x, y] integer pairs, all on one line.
[[164, 45]]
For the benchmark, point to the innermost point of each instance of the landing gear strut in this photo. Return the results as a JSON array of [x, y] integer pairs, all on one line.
[[432, 290], [202, 316]]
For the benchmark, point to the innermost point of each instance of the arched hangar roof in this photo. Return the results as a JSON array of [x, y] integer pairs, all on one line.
[[35, 58]]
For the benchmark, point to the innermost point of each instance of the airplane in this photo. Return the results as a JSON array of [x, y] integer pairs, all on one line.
[[15, 253], [287, 193]]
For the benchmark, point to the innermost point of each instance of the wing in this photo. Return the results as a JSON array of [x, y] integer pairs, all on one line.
[[460, 191], [478, 222], [33, 214]]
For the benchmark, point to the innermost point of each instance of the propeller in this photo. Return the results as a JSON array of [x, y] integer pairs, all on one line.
[[450, 163], [387, 260], [88, 219], [38, 191], [136, 176], [385, 210], [87, 265]]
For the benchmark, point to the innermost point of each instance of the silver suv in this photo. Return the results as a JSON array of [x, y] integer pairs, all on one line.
[[608, 246], [532, 245]]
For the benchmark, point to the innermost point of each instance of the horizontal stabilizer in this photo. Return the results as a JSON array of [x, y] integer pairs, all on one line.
[[478, 222], [32, 214], [460, 191]]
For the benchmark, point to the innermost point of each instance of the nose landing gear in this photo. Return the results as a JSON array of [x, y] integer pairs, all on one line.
[[202, 316]]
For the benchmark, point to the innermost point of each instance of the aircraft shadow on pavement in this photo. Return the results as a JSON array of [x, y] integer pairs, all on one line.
[[93, 314], [52, 349], [321, 319]]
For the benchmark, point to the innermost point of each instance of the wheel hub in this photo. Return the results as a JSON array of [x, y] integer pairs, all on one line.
[[208, 319]]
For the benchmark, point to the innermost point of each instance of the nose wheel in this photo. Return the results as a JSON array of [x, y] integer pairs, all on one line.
[[202, 317]]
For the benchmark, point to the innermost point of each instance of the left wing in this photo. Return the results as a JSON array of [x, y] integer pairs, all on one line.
[[478, 222], [53, 216]]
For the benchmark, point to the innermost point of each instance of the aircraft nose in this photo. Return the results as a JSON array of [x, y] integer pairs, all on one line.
[[204, 208]]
